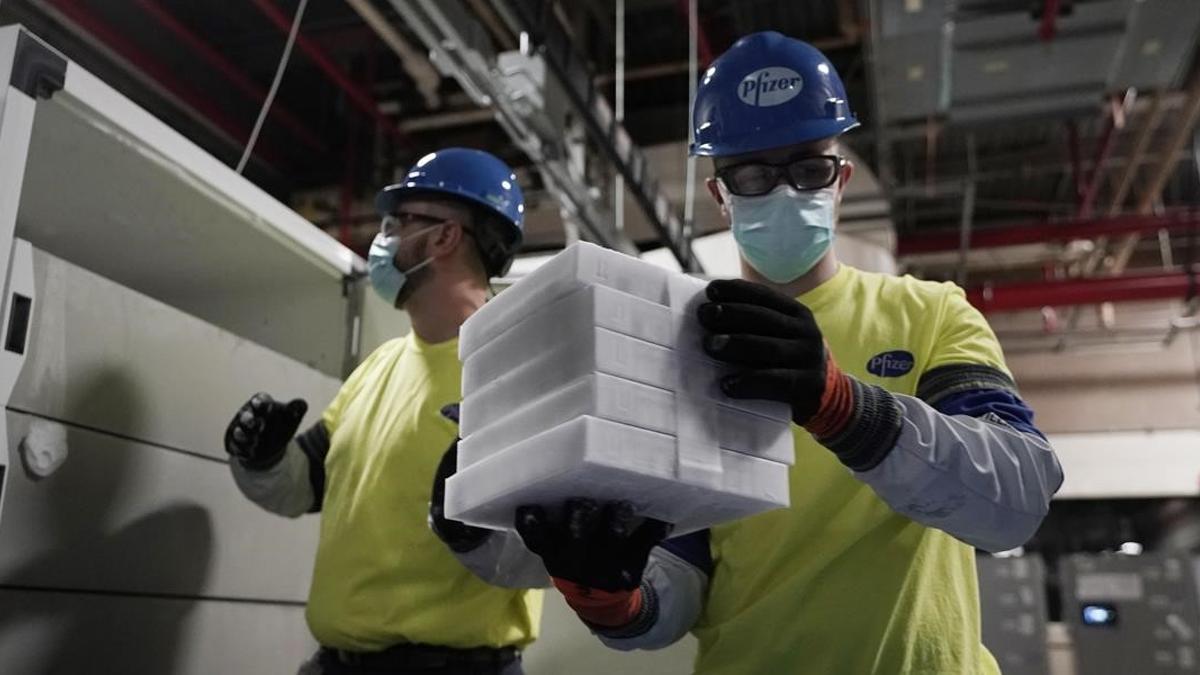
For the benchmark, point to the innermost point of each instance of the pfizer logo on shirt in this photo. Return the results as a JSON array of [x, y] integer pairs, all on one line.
[[891, 364], [770, 86]]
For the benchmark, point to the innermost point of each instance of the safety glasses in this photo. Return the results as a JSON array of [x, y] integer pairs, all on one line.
[[393, 223], [754, 179]]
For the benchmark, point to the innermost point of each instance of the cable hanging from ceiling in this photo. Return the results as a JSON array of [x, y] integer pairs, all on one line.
[[266, 106]]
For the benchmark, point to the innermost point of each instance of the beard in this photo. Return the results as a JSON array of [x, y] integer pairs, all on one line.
[[416, 278], [415, 281]]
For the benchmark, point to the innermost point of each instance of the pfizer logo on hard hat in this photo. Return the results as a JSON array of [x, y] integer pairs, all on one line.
[[770, 86]]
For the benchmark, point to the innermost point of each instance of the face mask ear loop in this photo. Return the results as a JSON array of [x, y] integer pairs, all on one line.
[[408, 272], [424, 262]]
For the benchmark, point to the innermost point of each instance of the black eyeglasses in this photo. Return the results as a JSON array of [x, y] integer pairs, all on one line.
[[392, 223], [754, 179]]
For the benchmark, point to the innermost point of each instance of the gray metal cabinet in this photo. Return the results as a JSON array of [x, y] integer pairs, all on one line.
[[148, 290]]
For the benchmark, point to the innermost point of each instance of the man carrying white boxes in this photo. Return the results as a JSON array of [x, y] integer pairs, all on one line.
[[912, 444], [586, 379]]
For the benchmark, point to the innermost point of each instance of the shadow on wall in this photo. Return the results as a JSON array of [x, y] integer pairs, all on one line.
[[107, 597]]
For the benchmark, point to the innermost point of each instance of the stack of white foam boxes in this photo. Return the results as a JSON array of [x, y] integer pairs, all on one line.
[[587, 379]]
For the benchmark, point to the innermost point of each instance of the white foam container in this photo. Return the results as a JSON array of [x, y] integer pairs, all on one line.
[[605, 460], [621, 400], [581, 264], [584, 307], [581, 349]]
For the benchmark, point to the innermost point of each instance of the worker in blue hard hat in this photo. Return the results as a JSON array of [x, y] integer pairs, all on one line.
[[913, 446], [386, 595]]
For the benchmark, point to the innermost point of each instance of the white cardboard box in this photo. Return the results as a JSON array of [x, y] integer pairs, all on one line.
[[581, 264], [604, 460], [620, 400], [581, 350], [582, 308]]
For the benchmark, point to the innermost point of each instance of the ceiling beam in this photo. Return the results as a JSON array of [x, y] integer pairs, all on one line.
[[357, 94]]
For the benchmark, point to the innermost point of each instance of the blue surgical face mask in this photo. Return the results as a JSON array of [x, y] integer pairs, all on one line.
[[785, 232], [386, 278]]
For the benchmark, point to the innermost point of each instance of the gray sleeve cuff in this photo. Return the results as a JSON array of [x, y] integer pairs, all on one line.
[[645, 619], [872, 431], [501, 559], [673, 592], [283, 488]]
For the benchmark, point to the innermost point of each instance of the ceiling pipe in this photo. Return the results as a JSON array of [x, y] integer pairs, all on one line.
[[1040, 232], [1114, 121], [161, 78], [1162, 172], [415, 63], [495, 26], [1049, 24], [357, 94], [1187, 121], [1140, 143], [1038, 294], [233, 73], [674, 68], [445, 120], [932, 132]]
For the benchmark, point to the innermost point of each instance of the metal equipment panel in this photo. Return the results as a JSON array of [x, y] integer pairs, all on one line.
[[1158, 45], [1003, 73], [1012, 599], [50, 632], [104, 357], [1132, 614], [152, 227], [110, 188], [910, 75], [124, 516], [911, 16]]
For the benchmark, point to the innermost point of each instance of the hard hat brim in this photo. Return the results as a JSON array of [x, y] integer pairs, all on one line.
[[756, 141]]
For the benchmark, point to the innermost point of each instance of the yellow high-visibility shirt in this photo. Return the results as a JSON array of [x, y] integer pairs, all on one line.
[[839, 583], [381, 576]]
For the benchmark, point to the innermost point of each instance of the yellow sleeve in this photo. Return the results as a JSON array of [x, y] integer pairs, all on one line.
[[964, 336], [332, 416]]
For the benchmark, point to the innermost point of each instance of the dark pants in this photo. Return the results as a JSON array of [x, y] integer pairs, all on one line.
[[443, 662]]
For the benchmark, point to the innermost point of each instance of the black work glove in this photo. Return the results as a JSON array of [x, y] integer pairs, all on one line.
[[460, 537], [784, 358], [774, 338], [259, 433], [599, 546]]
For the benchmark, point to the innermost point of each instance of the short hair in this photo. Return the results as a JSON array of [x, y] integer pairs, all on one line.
[[496, 239]]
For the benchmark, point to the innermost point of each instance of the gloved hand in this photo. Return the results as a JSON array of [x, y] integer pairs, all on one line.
[[777, 341], [460, 537], [596, 555], [261, 430]]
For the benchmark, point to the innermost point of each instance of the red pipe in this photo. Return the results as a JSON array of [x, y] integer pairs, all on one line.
[[357, 95], [200, 103], [1043, 232], [703, 47], [239, 79], [1103, 150], [1038, 294], [1049, 25]]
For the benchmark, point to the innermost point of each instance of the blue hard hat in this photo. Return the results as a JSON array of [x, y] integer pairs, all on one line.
[[474, 175], [768, 91]]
